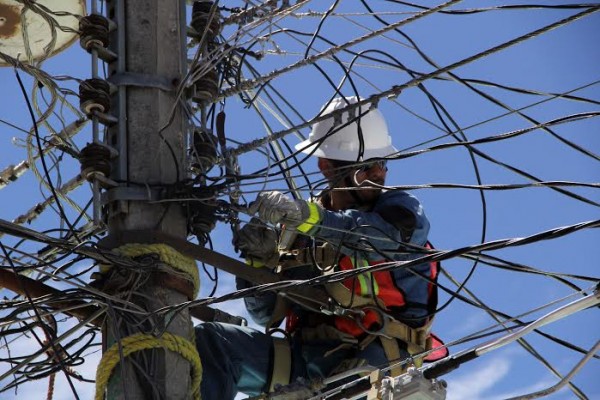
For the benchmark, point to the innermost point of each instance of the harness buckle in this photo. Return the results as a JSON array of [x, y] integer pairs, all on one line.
[[336, 310], [382, 317]]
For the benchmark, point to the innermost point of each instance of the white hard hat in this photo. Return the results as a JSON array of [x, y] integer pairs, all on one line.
[[344, 144]]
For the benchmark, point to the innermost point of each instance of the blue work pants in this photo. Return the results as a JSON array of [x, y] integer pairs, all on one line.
[[238, 359]]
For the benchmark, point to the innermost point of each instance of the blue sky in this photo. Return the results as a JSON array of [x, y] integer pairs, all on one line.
[[563, 60]]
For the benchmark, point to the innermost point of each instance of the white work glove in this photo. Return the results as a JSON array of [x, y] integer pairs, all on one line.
[[257, 242], [276, 207]]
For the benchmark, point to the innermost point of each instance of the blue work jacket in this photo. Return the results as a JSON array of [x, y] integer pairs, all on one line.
[[380, 234]]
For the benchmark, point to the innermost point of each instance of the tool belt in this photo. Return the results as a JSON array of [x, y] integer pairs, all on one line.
[[394, 337]]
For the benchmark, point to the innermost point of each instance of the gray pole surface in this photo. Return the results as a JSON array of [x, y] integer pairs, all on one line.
[[150, 42]]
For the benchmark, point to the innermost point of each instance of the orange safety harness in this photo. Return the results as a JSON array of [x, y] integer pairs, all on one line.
[[380, 284], [377, 299]]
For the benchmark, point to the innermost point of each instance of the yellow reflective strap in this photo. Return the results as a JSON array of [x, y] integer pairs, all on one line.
[[364, 263], [364, 280], [314, 218], [375, 285], [364, 285], [368, 285], [255, 263]]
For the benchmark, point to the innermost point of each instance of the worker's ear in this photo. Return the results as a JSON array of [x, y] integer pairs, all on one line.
[[327, 167]]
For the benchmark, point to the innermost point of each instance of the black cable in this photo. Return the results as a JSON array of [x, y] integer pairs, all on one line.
[[321, 22], [500, 7], [494, 100], [294, 110], [530, 176], [478, 152], [214, 278], [14, 126], [41, 154], [39, 318]]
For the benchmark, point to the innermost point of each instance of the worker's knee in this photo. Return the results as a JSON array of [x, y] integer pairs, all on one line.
[[207, 330], [205, 333]]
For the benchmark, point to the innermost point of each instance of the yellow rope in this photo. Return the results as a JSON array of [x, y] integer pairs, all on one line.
[[142, 341], [167, 254]]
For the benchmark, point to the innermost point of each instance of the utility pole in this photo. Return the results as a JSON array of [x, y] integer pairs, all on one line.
[[150, 137]]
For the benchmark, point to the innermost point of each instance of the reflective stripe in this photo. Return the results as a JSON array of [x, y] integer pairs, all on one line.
[[364, 285], [255, 263], [375, 285], [366, 281], [314, 218]]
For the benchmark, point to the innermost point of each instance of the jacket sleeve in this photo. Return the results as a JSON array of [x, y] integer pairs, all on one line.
[[397, 217]]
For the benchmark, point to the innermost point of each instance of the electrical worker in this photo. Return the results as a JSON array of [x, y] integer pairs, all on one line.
[[376, 318]]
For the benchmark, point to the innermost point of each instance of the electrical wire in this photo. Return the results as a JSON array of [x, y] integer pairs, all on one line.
[[342, 66]]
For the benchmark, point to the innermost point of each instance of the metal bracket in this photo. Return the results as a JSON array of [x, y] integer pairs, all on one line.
[[130, 193], [142, 80]]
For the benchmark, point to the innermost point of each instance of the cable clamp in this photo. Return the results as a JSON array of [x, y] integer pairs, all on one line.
[[143, 80], [132, 194]]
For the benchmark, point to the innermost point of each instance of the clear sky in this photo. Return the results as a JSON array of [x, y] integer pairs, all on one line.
[[561, 61]]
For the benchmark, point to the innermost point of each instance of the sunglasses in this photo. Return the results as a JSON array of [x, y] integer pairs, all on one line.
[[382, 164], [364, 167]]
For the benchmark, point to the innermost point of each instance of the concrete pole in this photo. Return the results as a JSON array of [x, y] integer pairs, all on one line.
[[151, 139]]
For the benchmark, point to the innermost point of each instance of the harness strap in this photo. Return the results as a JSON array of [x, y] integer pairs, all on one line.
[[417, 341], [416, 336], [392, 352], [346, 298], [279, 313], [282, 363]]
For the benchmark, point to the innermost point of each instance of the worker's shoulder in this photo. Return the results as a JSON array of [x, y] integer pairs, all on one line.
[[401, 209], [397, 197]]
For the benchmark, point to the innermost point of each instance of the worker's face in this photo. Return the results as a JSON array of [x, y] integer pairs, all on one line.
[[339, 173]]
